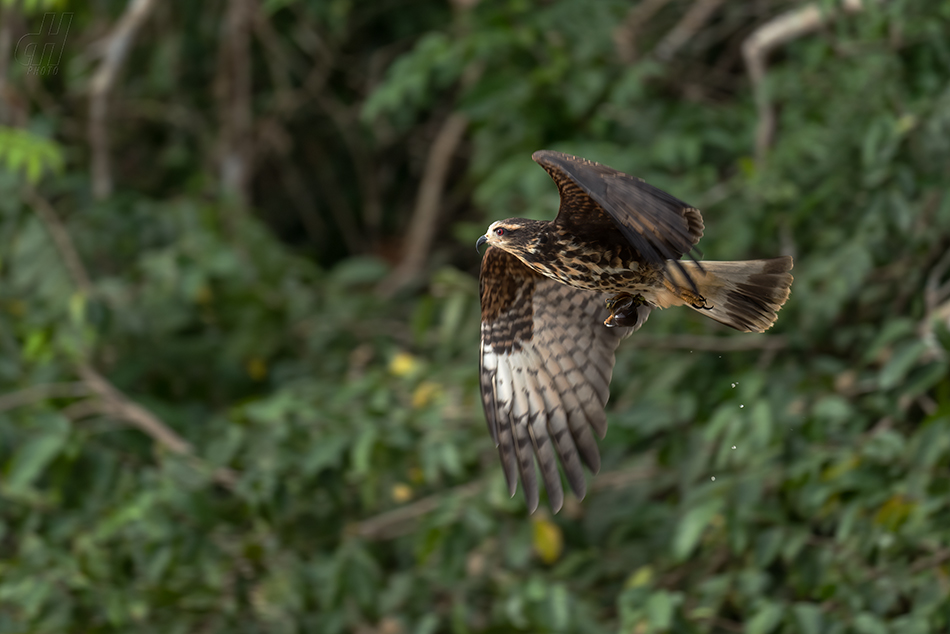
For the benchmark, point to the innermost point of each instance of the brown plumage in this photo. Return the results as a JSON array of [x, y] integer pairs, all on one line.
[[547, 350]]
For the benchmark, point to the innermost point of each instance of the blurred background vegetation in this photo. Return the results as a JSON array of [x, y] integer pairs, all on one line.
[[238, 316]]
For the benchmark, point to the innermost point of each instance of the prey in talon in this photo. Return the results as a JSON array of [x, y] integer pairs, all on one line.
[[625, 311]]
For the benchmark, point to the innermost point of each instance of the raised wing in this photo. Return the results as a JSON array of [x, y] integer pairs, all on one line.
[[596, 198], [545, 367]]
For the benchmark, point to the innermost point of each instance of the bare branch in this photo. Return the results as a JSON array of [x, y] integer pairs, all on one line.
[[116, 404], [117, 47], [36, 393], [344, 214], [424, 220], [712, 344], [934, 291], [756, 48], [123, 407], [938, 558], [937, 307], [691, 22], [87, 408], [400, 521], [625, 36], [6, 42], [233, 91], [64, 243], [111, 401], [622, 478]]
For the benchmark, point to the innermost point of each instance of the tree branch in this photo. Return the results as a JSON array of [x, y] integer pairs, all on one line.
[[755, 51], [401, 521], [233, 91], [936, 307], [713, 344], [116, 404], [116, 49], [36, 393], [111, 402], [625, 36], [122, 406], [691, 22], [64, 244], [6, 42], [424, 220], [622, 478]]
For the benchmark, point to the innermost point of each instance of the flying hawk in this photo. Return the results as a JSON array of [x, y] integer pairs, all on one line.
[[558, 296]]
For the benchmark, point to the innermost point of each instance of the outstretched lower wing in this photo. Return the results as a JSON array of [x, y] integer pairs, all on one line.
[[545, 367]]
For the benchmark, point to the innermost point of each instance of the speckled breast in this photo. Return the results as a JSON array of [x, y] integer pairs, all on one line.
[[595, 271]]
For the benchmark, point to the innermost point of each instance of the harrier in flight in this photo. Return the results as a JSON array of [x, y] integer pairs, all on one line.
[[558, 296]]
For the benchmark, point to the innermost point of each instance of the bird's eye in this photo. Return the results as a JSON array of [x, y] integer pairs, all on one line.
[[499, 231]]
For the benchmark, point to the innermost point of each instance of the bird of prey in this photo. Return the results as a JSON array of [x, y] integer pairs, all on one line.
[[558, 296]]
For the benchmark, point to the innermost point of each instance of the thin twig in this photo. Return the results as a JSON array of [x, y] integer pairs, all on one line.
[[622, 478], [121, 405], [35, 393], [936, 308], [111, 402], [57, 231], [87, 408], [625, 36], [399, 521], [116, 49], [712, 344], [6, 42], [424, 220], [234, 100], [692, 21], [116, 404], [934, 291], [933, 561]]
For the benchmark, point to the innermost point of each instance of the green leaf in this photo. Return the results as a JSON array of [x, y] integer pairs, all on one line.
[[900, 363], [559, 602], [867, 623], [35, 155], [327, 452], [660, 610], [765, 619], [362, 450], [691, 527], [808, 617], [32, 458]]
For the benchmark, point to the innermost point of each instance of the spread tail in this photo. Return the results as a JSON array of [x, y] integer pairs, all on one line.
[[743, 295]]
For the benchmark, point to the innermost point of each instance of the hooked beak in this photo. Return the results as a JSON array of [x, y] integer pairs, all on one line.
[[478, 243]]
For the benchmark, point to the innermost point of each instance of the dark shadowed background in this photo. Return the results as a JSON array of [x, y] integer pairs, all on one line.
[[239, 316]]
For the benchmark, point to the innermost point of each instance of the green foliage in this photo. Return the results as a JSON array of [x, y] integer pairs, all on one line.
[[32, 7], [339, 476], [34, 155]]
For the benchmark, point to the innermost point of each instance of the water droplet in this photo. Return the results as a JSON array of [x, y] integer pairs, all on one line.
[[741, 406], [713, 478], [735, 384], [733, 446]]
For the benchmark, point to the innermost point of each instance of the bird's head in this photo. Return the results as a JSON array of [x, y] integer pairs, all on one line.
[[513, 235]]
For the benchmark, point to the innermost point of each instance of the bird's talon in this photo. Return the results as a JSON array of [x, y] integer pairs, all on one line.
[[612, 301], [623, 310]]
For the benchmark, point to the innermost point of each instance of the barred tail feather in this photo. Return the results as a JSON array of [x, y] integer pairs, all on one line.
[[744, 295]]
